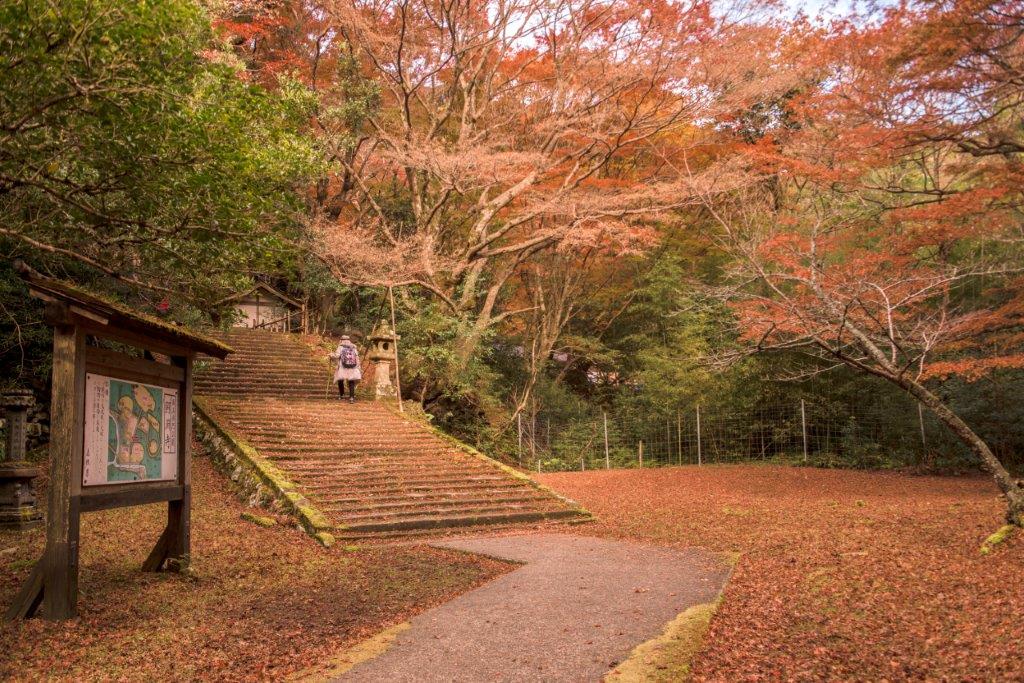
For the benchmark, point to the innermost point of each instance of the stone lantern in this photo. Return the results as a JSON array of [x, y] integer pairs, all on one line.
[[383, 342], [18, 508]]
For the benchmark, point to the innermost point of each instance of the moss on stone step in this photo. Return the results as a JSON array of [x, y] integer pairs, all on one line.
[[265, 522]]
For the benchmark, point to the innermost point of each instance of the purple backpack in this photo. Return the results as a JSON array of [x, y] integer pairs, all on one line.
[[349, 357]]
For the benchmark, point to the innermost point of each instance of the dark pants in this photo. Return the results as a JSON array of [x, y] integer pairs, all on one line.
[[351, 387]]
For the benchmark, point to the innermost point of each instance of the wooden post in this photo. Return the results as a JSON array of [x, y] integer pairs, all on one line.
[[668, 442], [803, 426], [176, 548], [679, 435], [607, 457], [640, 452], [398, 378], [700, 456], [60, 561]]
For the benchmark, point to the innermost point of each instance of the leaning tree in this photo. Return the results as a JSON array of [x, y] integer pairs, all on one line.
[[881, 227]]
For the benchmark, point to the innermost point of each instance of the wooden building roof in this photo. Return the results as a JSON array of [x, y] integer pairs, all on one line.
[[262, 287]]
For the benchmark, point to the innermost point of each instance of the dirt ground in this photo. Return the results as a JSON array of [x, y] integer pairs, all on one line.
[[842, 575], [266, 602]]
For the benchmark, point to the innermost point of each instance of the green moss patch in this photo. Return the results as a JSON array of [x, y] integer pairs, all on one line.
[[1001, 535], [265, 522], [669, 656]]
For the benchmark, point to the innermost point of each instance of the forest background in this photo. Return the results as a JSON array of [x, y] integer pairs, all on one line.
[[583, 207]]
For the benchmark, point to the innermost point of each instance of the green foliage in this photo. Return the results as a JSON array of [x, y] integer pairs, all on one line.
[[24, 340], [129, 145], [458, 393], [663, 338]]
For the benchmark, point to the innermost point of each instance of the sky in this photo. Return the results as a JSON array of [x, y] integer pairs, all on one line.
[[826, 9]]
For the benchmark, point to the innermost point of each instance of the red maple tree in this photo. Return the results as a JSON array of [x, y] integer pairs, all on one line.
[[881, 228]]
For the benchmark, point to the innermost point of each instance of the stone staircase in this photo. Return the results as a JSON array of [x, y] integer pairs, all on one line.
[[367, 469]]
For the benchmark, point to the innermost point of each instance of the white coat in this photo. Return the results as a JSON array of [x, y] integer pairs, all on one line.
[[343, 372]]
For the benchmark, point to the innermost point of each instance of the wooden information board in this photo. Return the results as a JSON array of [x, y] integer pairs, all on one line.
[[119, 434]]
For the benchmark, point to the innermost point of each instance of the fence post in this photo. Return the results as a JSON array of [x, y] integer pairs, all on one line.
[[519, 430], [668, 442], [920, 419], [700, 455], [679, 435], [532, 435], [607, 457], [803, 425], [640, 452]]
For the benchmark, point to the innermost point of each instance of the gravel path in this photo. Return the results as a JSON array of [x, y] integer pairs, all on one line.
[[575, 609]]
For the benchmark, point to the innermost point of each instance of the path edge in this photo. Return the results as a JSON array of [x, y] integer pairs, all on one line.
[[646, 661]]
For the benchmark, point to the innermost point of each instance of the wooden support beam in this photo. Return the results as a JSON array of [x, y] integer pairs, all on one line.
[[175, 544], [123, 496], [155, 561], [60, 562], [27, 601], [181, 511]]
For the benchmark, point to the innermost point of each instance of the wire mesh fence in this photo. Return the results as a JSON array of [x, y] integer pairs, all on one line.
[[880, 434]]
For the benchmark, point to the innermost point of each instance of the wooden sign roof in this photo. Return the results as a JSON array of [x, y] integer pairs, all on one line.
[[102, 314]]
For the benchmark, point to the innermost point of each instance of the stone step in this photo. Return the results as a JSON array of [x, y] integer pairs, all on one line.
[[347, 446], [361, 457], [323, 382], [277, 387], [404, 536], [372, 483], [337, 489], [344, 426], [380, 477], [374, 447], [265, 363], [431, 508], [369, 439], [370, 470], [363, 475], [357, 518], [407, 497], [453, 521], [342, 453], [352, 509], [242, 370]]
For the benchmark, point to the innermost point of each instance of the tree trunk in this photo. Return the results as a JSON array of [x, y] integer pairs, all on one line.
[[989, 462]]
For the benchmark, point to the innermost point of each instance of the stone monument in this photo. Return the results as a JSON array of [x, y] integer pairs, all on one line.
[[18, 509]]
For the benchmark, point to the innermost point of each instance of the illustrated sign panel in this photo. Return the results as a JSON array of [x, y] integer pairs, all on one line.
[[131, 432]]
